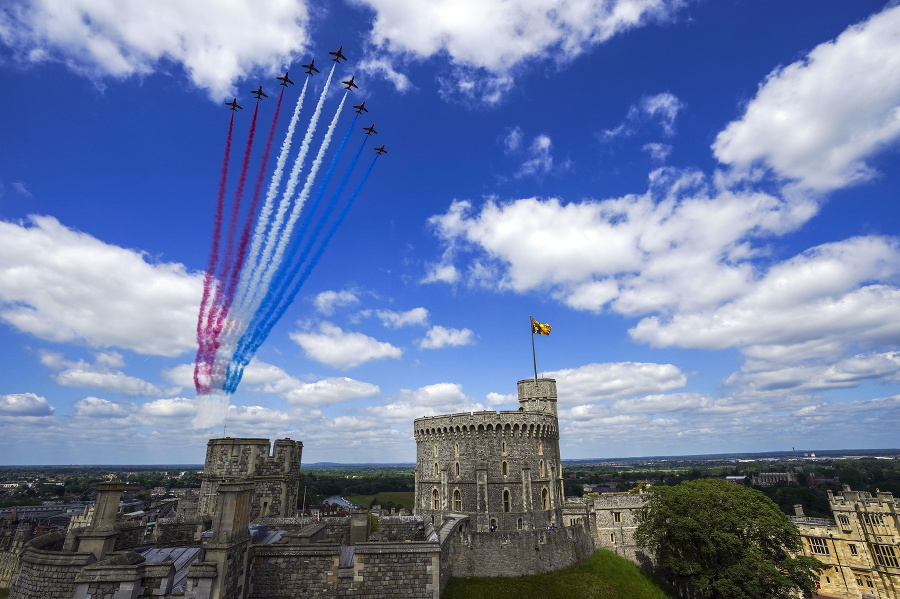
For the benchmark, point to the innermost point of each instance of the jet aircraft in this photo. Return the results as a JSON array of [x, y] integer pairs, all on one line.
[[284, 80], [259, 93], [349, 83], [370, 130], [381, 150], [337, 55], [234, 105], [310, 67], [361, 108]]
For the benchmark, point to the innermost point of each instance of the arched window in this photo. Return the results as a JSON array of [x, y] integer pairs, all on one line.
[[435, 470], [540, 448], [519, 524], [435, 451], [503, 447], [506, 502], [545, 499], [456, 450], [493, 525], [505, 469], [435, 500], [457, 469], [540, 464], [457, 501]]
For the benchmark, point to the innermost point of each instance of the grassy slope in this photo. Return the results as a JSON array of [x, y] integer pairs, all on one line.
[[400, 498], [604, 575]]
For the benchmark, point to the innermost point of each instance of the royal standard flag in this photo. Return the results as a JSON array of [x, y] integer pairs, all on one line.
[[540, 329]]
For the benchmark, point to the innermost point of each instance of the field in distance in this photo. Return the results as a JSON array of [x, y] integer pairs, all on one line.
[[397, 499], [604, 575]]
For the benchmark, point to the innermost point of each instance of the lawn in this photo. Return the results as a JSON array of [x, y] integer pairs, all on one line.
[[604, 575], [404, 499]]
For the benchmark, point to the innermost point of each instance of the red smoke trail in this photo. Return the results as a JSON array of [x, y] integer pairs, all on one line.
[[213, 258], [212, 345], [248, 224]]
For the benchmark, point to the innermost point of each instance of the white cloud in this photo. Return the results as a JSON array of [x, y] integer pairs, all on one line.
[[94, 407], [513, 140], [441, 273], [658, 151], [441, 398], [334, 347], [438, 337], [324, 392], [495, 399], [683, 244], [217, 42], [486, 39], [414, 317], [541, 161], [597, 382], [99, 375], [65, 286], [327, 301], [25, 404], [814, 305], [819, 119], [380, 67], [20, 187], [661, 109]]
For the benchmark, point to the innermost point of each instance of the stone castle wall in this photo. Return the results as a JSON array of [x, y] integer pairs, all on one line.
[[47, 573], [275, 475], [376, 571], [500, 468]]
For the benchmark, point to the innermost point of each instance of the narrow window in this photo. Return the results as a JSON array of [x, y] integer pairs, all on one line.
[[852, 549], [540, 448], [541, 465], [435, 470], [506, 505], [545, 499], [435, 451], [617, 517], [457, 469], [505, 468], [519, 524], [493, 525], [456, 450], [457, 501], [612, 537], [435, 500]]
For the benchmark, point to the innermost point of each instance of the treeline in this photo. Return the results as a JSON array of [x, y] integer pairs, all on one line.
[[320, 486]]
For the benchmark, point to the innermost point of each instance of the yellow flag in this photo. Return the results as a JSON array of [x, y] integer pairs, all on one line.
[[540, 329]]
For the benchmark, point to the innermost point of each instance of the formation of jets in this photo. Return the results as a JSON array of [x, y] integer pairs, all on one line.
[[349, 84]]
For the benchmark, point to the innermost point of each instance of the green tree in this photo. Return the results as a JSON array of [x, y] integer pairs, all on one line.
[[725, 541]]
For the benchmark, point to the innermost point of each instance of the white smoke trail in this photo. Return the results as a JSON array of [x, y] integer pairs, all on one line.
[[257, 292], [250, 265], [211, 410], [295, 213], [233, 326]]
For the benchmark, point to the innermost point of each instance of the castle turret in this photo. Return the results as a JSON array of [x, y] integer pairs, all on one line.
[[500, 468]]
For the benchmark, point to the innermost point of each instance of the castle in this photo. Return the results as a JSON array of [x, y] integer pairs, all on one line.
[[489, 501]]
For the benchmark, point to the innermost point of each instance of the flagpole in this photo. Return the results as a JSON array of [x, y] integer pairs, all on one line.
[[533, 356]]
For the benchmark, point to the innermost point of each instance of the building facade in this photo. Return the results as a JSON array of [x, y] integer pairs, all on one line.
[[502, 469], [273, 470], [860, 547]]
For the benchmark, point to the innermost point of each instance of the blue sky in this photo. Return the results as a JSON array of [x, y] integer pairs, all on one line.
[[698, 196]]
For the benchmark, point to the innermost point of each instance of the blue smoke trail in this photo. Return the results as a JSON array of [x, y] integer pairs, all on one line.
[[247, 344], [235, 375]]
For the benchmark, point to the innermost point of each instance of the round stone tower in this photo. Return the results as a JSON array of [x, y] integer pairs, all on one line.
[[502, 469]]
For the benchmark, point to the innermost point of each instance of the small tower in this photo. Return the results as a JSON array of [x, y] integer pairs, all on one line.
[[538, 395]]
